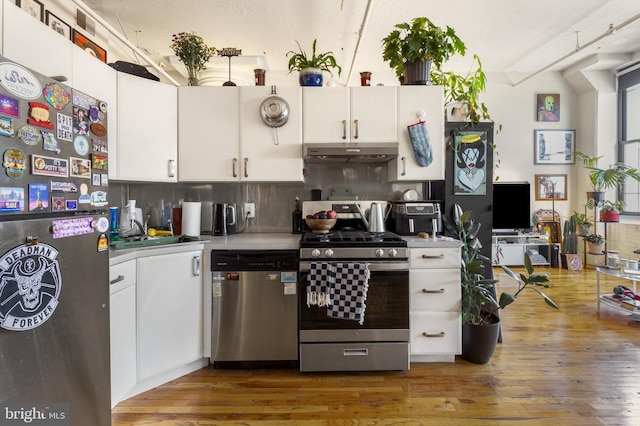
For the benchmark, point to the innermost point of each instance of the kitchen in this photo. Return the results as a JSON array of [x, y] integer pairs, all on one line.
[[274, 201]]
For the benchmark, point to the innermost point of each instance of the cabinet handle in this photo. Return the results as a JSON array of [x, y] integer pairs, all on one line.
[[425, 291], [425, 334], [172, 168], [246, 167], [344, 129], [235, 164], [356, 124], [404, 166], [433, 256], [196, 266], [117, 280]]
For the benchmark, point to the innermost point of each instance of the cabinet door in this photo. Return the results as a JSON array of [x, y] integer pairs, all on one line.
[[147, 142], [373, 114], [97, 79], [271, 154], [325, 114], [435, 333], [30, 43], [417, 103], [209, 134], [170, 313]]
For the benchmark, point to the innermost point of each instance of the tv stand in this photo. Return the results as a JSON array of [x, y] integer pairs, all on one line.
[[509, 249]]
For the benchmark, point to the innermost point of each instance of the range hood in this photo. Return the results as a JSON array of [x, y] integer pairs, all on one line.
[[374, 152]]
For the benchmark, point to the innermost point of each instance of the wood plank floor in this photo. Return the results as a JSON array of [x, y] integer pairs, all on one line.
[[573, 367]]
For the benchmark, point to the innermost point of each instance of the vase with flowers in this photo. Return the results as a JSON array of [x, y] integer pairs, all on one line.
[[193, 52]]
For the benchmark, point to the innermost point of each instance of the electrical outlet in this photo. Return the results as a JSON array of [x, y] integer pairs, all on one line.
[[250, 210]]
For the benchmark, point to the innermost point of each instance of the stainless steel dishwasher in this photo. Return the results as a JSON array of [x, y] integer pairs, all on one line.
[[254, 321]]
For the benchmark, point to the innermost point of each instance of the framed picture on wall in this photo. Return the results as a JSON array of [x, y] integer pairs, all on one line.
[[548, 107], [58, 25], [550, 187], [33, 8], [93, 49], [554, 146]]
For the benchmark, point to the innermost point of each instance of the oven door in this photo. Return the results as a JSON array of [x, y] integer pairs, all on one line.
[[386, 317]]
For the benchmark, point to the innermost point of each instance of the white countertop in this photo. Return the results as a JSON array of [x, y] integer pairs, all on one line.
[[250, 241]]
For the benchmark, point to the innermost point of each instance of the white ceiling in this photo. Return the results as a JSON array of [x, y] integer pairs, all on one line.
[[516, 37]]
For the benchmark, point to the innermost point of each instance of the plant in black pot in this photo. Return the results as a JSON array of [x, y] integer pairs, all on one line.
[[411, 48], [480, 324], [602, 179]]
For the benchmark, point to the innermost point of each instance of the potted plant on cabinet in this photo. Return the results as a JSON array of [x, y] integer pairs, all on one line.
[[410, 49], [610, 210], [595, 243], [603, 179], [311, 67], [583, 224], [480, 324]]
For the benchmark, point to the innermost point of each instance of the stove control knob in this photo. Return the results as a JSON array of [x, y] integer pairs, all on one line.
[[393, 252], [315, 253], [328, 253], [379, 253]]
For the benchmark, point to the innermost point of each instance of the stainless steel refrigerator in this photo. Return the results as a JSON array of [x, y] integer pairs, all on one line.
[[54, 259]]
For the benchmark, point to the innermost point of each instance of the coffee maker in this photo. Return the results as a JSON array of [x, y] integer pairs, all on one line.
[[413, 217]]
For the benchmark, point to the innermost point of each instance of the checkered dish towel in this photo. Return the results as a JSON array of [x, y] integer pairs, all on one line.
[[342, 287]]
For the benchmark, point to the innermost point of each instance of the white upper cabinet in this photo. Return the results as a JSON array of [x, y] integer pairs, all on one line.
[[209, 133], [417, 103], [237, 145], [147, 139], [270, 154], [350, 115], [30, 43]]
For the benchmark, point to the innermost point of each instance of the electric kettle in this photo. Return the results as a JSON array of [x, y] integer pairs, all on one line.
[[224, 215]]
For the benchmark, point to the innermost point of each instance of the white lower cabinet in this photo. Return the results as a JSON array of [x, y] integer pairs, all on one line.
[[170, 312], [122, 302], [434, 304]]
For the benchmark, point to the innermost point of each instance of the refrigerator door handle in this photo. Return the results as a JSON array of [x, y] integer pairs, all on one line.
[[196, 266]]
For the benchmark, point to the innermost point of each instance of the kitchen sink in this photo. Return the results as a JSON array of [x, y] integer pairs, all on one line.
[[144, 241]]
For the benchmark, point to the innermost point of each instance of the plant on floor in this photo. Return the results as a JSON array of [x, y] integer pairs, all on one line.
[[569, 237]]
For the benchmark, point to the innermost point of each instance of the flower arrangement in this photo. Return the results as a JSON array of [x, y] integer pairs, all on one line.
[[193, 52]]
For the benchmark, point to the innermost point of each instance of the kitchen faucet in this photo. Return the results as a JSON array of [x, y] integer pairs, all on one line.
[[144, 228]]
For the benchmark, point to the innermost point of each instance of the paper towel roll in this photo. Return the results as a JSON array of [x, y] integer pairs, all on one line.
[[191, 218]]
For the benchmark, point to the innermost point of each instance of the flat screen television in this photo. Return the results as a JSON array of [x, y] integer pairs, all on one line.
[[511, 206]]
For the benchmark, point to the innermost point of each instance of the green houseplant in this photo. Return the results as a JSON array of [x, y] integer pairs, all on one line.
[[193, 52], [583, 224], [610, 210], [481, 325], [311, 67], [569, 247], [595, 242], [418, 45], [603, 179]]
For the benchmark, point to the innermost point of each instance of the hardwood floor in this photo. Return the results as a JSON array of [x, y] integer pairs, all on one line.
[[573, 367]]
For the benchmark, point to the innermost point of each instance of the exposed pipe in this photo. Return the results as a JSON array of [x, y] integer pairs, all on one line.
[[126, 42], [610, 31], [365, 20]]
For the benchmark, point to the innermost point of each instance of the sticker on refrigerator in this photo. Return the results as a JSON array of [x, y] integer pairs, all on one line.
[[65, 127], [14, 161], [30, 135], [103, 242], [82, 100], [71, 205], [80, 167], [85, 198], [39, 115], [38, 197], [100, 146], [57, 204], [9, 106], [98, 162], [56, 96], [49, 166], [6, 126], [49, 142], [19, 81], [31, 283], [98, 198], [288, 277], [72, 227], [80, 121], [61, 186], [81, 145], [98, 129], [11, 200]]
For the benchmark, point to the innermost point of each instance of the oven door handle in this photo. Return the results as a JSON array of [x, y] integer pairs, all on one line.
[[373, 266]]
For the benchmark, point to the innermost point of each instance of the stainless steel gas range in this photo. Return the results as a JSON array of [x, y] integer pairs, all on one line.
[[334, 337]]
